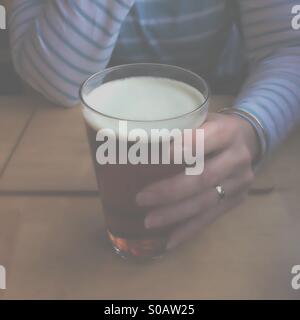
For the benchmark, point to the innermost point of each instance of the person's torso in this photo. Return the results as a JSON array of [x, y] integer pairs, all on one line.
[[195, 34]]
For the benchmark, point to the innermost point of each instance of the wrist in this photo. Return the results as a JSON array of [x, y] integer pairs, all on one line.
[[250, 138], [256, 137]]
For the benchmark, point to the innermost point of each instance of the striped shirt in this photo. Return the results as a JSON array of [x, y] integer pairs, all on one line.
[[57, 44]]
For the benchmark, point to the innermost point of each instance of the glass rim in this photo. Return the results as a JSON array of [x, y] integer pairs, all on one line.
[[111, 69]]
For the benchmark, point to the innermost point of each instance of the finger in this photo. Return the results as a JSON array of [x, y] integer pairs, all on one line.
[[183, 186], [231, 163], [216, 135], [196, 225], [196, 205]]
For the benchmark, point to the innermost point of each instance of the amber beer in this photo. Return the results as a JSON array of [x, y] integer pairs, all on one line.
[[146, 96]]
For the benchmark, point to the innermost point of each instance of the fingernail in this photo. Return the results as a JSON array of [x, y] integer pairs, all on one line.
[[145, 198], [171, 245], [152, 222]]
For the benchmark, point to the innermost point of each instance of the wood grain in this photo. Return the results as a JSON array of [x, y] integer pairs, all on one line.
[[53, 154], [61, 252], [55, 246], [15, 114]]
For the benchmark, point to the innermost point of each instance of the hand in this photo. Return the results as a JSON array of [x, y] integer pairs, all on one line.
[[231, 146]]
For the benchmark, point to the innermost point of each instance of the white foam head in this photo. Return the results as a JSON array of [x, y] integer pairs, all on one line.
[[146, 103]]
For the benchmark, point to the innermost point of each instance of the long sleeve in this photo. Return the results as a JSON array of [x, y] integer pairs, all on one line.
[[272, 90], [57, 44]]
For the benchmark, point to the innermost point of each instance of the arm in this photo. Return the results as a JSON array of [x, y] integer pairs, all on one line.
[[270, 97], [271, 93], [57, 44]]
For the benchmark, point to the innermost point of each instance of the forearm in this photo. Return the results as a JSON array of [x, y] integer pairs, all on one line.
[[57, 44], [272, 94]]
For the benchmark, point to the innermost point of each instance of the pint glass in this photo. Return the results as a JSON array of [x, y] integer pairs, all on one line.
[[158, 93]]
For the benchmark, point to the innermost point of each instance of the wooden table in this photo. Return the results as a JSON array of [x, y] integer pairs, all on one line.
[[52, 237]]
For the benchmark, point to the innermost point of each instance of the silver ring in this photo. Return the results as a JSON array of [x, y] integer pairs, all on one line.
[[221, 192]]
